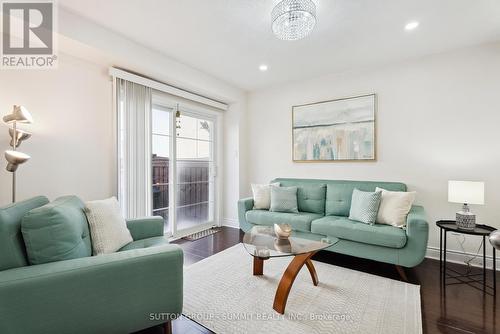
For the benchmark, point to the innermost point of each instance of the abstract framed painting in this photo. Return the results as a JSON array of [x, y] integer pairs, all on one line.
[[336, 130]]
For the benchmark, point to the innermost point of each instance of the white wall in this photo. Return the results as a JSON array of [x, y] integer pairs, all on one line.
[[72, 144], [73, 147], [85, 39], [438, 120]]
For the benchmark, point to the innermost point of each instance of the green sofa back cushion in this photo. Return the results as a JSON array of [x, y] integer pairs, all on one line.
[[56, 231], [310, 196], [338, 193], [12, 251]]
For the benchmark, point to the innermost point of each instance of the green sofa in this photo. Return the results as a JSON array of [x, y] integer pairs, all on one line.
[[139, 286], [323, 210]]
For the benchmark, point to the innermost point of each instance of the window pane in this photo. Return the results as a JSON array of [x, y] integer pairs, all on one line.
[[160, 197], [193, 149], [204, 150], [160, 122], [160, 146], [192, 171], [186, 149], [160, 204], [192, 215], [160, 175], [193, 193], [188, 127], [204, 129], [164, 214]]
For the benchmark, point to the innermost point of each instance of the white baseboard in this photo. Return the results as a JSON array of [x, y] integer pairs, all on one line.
[[460, 257], [230, 222]]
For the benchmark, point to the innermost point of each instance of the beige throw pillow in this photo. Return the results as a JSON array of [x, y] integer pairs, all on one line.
[[394, 207], [108, 228], [262, 195]]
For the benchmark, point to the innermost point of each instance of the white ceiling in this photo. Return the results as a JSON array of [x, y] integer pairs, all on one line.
[[229, 39]]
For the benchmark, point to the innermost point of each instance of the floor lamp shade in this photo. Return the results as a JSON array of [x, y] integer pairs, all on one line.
[[20, 115], [14, 159], [21, 136]]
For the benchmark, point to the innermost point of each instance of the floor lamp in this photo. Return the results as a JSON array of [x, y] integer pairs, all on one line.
[[15, 158]]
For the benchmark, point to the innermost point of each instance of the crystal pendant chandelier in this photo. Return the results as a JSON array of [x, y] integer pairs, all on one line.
[[293, 19]]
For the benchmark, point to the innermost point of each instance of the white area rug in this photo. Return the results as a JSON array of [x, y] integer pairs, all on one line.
[[221, 293]]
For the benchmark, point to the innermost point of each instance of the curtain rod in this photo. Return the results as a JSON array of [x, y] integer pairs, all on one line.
[[139, 79]]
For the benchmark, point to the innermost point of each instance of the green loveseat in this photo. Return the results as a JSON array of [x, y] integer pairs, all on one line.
[[139, 286], [323, 210]]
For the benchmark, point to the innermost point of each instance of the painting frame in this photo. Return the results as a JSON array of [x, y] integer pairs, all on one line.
[[375, 110]]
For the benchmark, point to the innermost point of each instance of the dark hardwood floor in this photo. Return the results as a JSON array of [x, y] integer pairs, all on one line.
[[456, 309]]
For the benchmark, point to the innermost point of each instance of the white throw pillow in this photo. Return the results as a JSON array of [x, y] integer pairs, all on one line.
[[394, 207], [108, 228], [262, 195]]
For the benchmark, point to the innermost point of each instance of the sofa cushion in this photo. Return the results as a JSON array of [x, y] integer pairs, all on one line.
[[145, 243], [262, 195], [299, 221], [108, 228], [12, 250], [284, 199], [343, 228], [364, 206], [311, 198], [394, 207], [56, 231], [339, 194]]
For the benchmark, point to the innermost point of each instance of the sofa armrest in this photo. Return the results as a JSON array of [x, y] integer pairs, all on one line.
[[146, 227], [417, 231], [416, 222], [111, 293], [244, 205]]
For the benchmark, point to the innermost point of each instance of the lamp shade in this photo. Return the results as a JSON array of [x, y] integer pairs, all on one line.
[[21, 136], [14, 159], [466, 192], [20, 114]]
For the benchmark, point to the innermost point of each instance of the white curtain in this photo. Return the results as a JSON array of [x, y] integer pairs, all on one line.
[[133, 106]]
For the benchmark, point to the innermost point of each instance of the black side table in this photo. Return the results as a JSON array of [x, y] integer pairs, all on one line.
[[469, 279]]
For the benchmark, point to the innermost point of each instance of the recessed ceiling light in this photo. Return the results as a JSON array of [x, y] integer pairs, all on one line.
[[263, 67], [411, 25]]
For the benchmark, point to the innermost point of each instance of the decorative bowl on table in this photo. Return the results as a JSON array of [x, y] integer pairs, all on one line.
[[282, 231], [283, 245]]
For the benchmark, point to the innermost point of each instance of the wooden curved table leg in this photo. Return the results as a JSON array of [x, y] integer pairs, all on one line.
[[288, 278], [312, 271]]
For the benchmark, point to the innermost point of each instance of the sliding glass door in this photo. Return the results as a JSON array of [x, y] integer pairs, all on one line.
[[195, 180], [183, 165]]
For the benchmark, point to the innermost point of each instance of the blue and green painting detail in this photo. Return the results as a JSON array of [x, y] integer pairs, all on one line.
[[342, 129]]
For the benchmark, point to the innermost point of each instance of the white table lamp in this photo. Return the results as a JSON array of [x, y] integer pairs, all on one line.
[[466, 192]]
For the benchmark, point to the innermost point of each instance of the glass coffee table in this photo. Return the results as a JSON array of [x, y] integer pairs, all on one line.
[[262, 243]]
